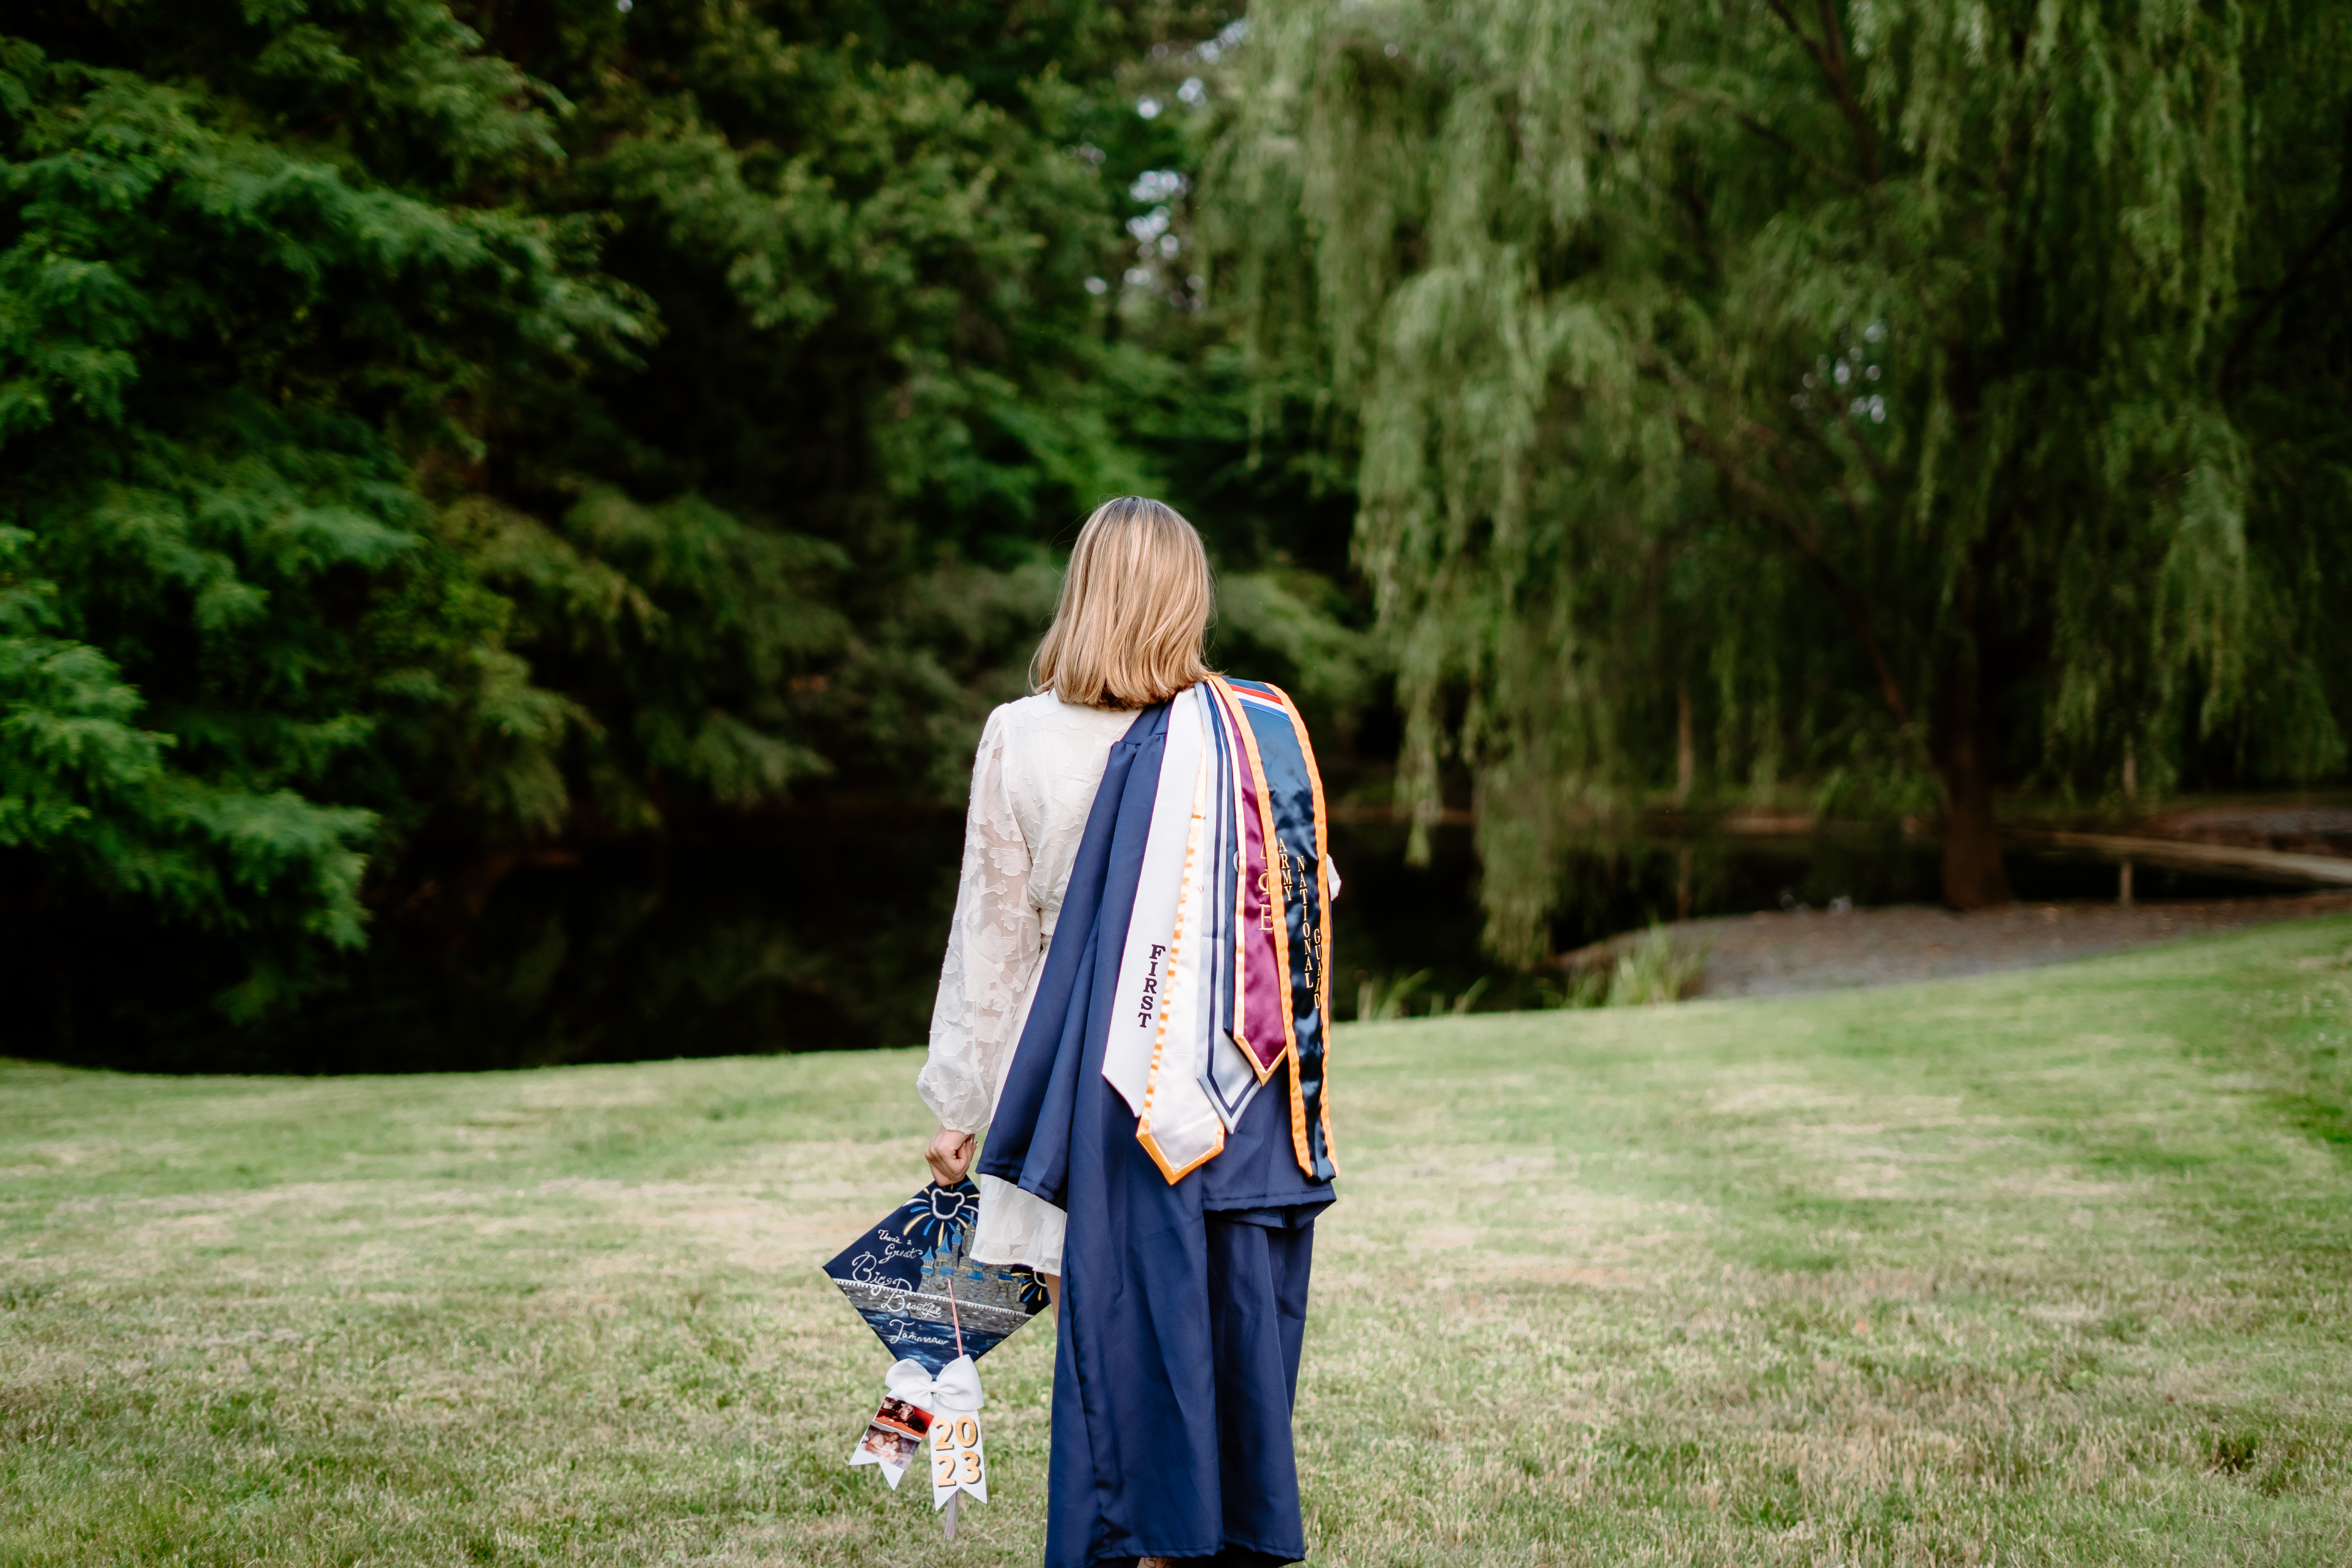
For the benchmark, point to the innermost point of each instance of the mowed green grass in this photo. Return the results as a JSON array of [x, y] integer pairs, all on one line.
[[2043, 1268]]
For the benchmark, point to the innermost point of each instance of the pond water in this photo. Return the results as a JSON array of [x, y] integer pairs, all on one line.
[[827, 936]]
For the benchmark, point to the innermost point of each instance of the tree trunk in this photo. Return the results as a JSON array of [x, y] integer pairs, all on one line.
[[1686, 753], [1974, 877]]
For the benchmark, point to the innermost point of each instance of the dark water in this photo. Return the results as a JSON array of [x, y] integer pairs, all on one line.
[[828, 937]]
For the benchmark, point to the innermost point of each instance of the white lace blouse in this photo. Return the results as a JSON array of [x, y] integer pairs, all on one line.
[[1033, 786]]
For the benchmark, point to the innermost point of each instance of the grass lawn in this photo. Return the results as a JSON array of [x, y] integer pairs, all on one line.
[[2041, 1267]]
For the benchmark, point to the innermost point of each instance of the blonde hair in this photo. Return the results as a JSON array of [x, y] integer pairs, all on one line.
[[1135, 608]]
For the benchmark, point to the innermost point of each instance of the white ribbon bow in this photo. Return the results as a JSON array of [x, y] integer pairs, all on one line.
[[954, 1399], [956, 1389]]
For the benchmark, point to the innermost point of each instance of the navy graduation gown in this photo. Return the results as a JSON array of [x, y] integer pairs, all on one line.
[[1182, 1307]]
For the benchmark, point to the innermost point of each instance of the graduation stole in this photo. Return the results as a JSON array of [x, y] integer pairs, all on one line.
[[1224, 976]]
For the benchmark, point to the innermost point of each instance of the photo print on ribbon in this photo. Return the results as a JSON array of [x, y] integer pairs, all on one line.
[[892, 1438]]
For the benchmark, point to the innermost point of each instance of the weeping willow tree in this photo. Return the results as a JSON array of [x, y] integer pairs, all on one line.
[[1870, 394]]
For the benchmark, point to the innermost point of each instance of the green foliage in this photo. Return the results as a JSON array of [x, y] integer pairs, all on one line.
[[1898, 389], [210, 346], [681, 628], [1380, 1001], [1652, 969], [434, 437]]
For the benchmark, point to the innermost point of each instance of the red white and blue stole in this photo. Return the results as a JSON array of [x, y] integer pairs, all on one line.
[[1224, 977]]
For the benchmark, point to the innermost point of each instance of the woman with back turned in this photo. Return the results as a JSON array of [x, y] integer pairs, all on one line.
[[1133, 1008]]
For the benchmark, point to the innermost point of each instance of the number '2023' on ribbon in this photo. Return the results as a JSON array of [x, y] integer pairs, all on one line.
[[958, 1458]]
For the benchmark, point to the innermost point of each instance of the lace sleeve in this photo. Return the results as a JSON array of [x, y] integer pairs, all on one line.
[[992, 947]]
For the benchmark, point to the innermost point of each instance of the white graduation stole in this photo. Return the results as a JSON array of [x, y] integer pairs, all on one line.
[[1159, 1029]]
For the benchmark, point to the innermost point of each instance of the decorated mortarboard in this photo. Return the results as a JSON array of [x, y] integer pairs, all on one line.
[[913, 1280]]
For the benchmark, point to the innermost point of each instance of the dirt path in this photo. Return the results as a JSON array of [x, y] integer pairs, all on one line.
[[1776, 955]]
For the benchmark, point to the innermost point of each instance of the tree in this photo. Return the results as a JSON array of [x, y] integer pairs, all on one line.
[[224, 613], [1862, 374]]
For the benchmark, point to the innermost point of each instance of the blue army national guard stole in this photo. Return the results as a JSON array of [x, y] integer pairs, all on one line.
[[1200, 887]]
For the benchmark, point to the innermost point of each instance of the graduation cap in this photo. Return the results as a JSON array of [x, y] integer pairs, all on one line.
[[913, 1281]]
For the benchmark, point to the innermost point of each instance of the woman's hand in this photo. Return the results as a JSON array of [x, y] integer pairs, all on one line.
[[949, 1156]]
